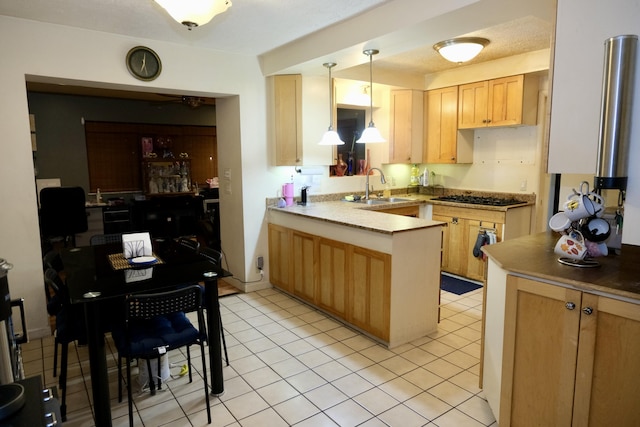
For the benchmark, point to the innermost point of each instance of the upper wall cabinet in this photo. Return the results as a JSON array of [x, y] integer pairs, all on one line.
[[508, 101], [443, 142], [405, 144], [287, 116]]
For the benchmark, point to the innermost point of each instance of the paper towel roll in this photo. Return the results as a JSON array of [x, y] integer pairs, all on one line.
[[317, 170]]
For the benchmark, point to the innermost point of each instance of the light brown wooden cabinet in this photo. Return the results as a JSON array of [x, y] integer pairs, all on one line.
[[569, 358], [463, 226], [507, 101], [348, 281], [287, 119], [369, 291], [443, 142], [280, 267], [332, 279], [303, 264], [406, 124]]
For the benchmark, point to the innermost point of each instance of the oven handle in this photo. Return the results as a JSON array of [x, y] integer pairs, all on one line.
[[21, 339]]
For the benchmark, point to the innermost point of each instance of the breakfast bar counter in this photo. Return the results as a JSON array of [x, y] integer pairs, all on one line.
[[376, 271]]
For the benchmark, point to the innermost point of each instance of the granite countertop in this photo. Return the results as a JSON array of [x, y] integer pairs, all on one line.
[[362, 216], [533, 256]]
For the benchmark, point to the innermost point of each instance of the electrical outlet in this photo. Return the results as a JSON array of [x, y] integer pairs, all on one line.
[[260, 263]]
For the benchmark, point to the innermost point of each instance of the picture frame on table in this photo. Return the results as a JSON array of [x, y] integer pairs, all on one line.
[[147, 146]]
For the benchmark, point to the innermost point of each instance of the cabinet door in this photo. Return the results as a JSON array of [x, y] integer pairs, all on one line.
[[369, 291], [505, 101], [539, 356], [441, 118], [476, 267], [280, 257], [453, 244], [472, 105], [608, 372], [332, 276], [405, 145], [304, 265], [288, 119]]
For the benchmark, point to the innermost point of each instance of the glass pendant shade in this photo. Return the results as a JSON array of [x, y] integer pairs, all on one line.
[[193, 13], [371, 135], [461, 49], [330, 137]]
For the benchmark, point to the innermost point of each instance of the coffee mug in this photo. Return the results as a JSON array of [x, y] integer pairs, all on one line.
[[579, 206], [560, 222], [595, 229], [598, 204], [571, 246], [595, 250]]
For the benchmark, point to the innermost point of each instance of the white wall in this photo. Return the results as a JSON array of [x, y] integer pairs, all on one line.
[[582, 28], [46, 52]]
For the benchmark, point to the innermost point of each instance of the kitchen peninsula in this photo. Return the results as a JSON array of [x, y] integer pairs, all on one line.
[[377, 271], [561, 342]]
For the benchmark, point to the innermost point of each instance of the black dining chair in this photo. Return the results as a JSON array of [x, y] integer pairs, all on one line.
[[69, 327], [156, 324], [215, 257], [188, 244]]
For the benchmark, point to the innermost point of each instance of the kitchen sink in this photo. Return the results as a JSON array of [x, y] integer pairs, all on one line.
[[382, 201]]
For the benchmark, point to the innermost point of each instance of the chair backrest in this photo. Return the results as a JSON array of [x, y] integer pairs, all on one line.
[[55, 291], [103, 239], [147, 306], [62, 211], [53, 260], [189, 244], [213, 255]]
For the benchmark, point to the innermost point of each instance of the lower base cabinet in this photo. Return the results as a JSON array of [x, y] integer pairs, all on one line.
[[570, 358], [351, 282]]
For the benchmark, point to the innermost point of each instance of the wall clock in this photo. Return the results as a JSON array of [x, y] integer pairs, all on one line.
[[143, 63]]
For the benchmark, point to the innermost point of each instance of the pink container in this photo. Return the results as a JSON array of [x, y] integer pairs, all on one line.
[[287, 193]]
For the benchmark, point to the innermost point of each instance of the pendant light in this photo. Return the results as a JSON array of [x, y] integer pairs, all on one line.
[[330, 137], [371, 134]]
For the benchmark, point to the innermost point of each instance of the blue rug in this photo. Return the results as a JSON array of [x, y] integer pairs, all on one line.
[[457, 286]]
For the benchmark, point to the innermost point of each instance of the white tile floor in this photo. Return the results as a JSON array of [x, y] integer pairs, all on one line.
[[293, 365]]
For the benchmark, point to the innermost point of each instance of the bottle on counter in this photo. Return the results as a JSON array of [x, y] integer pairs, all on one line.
[[414, 179], [98, 196]]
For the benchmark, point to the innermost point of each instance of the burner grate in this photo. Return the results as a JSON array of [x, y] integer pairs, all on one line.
[[480, 200]]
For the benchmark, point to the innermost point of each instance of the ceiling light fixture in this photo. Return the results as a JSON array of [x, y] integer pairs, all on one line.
[[193, 13], [330, 137], [371, 134], [462, 49]]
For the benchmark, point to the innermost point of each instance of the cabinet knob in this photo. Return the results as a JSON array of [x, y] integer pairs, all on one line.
[[454, 220], [453, 158], [570, 306], [587, 310], [484, 121]]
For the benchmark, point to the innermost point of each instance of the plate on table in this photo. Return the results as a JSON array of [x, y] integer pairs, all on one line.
[[143, 260]]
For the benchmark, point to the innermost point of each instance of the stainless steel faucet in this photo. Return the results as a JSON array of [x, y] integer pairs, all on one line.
[[382, 180]]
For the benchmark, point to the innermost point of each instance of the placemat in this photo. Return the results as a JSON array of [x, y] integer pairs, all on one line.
[[119, 262]]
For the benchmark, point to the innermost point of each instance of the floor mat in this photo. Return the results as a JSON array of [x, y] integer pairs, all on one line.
[[456, 285], [226, 289]]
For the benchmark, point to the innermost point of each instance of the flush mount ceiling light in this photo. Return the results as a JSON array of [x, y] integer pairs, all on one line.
[[193, 13], [462, 49], [371, 134], [330, 137]]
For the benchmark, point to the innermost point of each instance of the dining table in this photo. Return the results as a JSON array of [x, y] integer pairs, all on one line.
[[99, 278]]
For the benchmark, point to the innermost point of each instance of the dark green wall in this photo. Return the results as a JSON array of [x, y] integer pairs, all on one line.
[[60, 133]]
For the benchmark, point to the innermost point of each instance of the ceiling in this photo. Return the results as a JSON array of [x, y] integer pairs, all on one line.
[[272, 28]]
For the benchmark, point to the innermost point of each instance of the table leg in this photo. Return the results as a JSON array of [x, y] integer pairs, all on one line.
[[213, 327], [98, 366]]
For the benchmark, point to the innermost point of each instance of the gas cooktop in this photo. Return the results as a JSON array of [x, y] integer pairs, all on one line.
[[479, 200]]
